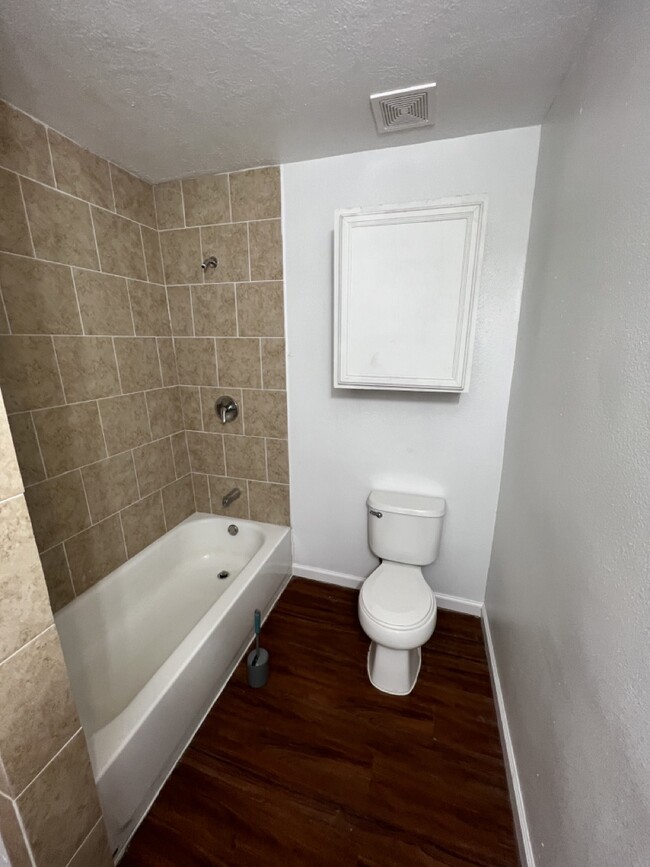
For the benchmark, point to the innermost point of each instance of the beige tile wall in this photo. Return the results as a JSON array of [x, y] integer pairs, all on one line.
[[114, 346], [113, 349], [228, 330], [49, 811], [87, 363]]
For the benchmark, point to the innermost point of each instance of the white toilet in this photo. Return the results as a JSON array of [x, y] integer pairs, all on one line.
[[397, 608]]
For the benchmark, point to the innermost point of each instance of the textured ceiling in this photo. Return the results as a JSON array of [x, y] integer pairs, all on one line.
[[168, 88]]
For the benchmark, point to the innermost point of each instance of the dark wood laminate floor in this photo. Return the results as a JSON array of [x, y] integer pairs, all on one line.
[[319, 768]]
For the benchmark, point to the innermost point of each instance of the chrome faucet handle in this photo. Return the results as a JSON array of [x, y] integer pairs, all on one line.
[[226, 408]]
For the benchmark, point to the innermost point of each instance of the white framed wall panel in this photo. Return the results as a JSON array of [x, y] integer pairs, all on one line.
[[405, 294]]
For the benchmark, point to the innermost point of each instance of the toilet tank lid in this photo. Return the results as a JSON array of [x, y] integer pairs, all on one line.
[[407, 504]]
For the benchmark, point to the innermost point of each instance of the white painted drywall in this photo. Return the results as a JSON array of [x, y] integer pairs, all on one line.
[[344, 443], [166, 88], [568, 594]]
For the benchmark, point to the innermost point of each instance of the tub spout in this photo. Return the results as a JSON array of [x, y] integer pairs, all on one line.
[[230, 497]]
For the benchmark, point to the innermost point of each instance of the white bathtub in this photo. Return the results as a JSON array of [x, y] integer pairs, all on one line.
[[149, 649]]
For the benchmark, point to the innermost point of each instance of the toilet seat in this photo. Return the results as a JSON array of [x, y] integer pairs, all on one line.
[[397, 597]]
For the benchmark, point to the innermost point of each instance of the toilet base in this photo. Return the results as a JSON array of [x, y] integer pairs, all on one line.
[[393, 671]]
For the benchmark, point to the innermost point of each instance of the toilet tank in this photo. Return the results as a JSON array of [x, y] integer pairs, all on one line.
[[405, 528]]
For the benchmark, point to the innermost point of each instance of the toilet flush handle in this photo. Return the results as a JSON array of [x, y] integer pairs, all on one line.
[[376, 514]]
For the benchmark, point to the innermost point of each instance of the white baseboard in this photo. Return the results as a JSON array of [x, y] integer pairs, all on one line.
[[342, 579], [526, 855], [460, 604]]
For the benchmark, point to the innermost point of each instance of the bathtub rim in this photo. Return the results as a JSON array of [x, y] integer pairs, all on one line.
[[196, 517]]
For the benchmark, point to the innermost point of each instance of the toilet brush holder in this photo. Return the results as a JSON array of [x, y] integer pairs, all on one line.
[[258, 668]]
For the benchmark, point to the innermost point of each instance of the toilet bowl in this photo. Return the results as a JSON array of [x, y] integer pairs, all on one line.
[[397, 608]]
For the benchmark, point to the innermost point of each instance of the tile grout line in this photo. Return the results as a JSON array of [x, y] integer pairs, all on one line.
[[202, 389], [146, 403], [110, 180], [184, 226], [160, 367], [187, 451], [18, 650], [126, 550], [49, 148], [123, 335], [169, 316], [90, 517], [76, 296], [116, 213], [144, 255], [173, 456], [235, 293], [160, 256], [145, 391], [40, 450], [26, 840], [189, 289], [83, 842], [92, 223], [152, 441], [119, 375], [201, 254], [209, 225], [61, 192], [207, 482], [205, 283], [135, 474], [155, 209], [45, 261], [128, 295], [116, 513], [162, 508], [101, 425], [4, 307], [112, 396], [44, 768], [229, 196], [223, 451], [67, 563], [27, 220], [248, 248], [58, 367]]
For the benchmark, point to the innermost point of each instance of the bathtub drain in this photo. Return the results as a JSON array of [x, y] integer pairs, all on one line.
[[223, 574]]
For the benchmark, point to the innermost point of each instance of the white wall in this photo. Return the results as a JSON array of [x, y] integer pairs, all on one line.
[[344, 443], [568, 594]]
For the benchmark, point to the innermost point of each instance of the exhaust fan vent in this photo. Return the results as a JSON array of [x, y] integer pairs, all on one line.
[[404, 109]]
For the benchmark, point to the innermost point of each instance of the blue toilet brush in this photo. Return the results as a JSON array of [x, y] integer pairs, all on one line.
[[257, 622], [257, 662]]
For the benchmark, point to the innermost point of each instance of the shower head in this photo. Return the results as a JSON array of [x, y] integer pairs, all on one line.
[[210, 262]]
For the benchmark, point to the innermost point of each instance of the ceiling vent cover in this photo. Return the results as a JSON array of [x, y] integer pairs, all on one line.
[[404, 109]]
